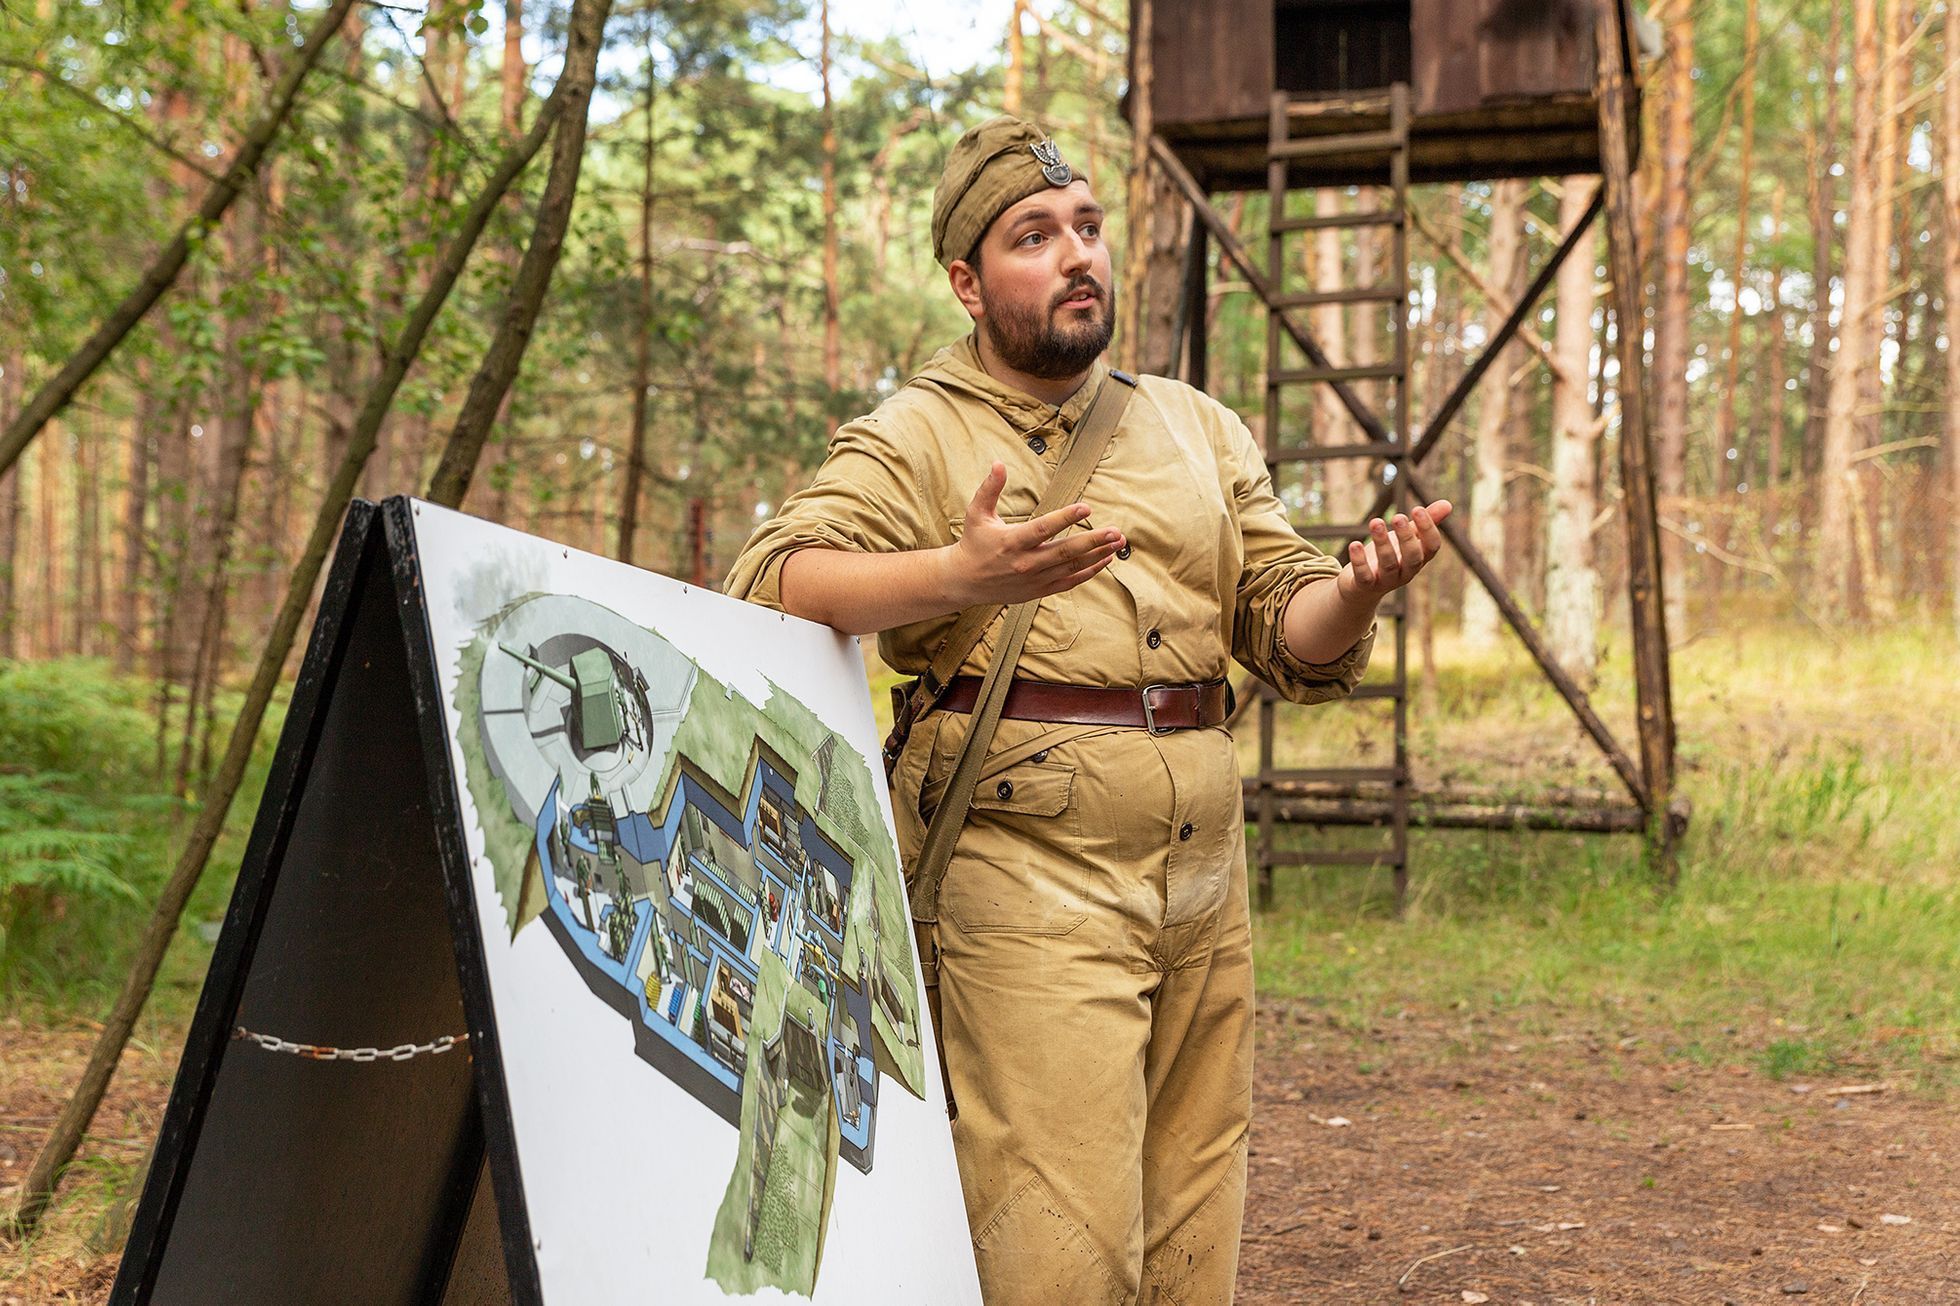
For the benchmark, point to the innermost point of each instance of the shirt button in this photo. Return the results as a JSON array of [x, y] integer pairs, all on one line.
[[1004, 790], [1042, 756], [1186, 830], [1123, 552], [1153, 639], [1037, 444]]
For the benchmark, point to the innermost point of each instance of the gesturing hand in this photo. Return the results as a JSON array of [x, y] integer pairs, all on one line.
[[1390, 558], [1002, 562]]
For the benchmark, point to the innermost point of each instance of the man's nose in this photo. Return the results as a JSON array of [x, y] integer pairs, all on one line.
[[1075, 252]]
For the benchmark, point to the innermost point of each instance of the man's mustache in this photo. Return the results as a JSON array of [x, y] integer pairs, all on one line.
[[1079, 285]]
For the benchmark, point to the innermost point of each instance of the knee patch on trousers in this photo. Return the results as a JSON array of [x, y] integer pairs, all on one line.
[[1198, 1260], [1035, 1252]]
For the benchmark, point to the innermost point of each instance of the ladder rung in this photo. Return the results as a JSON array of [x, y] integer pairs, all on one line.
[[1363, 295], [1317, 774], [1314, 147], [1332, 857], [1321, 453], [1390, 217], [1388, 690], [1361, 372]]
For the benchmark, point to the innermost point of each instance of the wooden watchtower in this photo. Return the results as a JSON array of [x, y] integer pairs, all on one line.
[[1288, 95]]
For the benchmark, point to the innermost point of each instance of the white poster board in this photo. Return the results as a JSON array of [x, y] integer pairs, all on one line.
[[695, 935]]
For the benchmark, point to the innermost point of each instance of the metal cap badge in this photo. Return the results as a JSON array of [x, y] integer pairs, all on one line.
[[1049, 156]]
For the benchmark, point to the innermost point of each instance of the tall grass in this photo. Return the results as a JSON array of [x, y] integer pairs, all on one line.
[[1817, 920]]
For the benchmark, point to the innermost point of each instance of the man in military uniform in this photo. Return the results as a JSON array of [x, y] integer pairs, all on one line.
[[1092, 936]]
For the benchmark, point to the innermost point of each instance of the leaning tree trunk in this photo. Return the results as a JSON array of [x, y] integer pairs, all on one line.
[[1571, 586], [1507, 266], [59, 1149], [53, 396], [636, 451], [506, 352]]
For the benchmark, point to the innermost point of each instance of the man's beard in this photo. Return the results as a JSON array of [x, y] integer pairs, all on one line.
[[1030, 341]]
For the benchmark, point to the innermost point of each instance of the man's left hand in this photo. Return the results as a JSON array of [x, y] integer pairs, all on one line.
[[1393, 553]]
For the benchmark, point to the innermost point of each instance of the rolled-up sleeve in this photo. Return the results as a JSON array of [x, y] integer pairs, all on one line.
[[1277, 563], [865, 498]]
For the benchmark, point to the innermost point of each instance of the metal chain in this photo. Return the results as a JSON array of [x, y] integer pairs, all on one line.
[[314, 1052]]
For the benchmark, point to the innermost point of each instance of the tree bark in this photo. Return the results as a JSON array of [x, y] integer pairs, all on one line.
[[833, 368], [1137, 217], [1725, 426], [54, 395], [11, 368], [636, 452], [59, 1148], [1494, 414], [506, 352], [1950, 196], [1676, 140], [1857, 343], [1571, 586], [1010, 98], [1821, 151]]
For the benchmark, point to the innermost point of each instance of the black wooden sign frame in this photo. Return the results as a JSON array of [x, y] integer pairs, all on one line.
[[279, 1177]]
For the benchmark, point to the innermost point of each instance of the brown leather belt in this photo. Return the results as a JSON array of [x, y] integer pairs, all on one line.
[[1156, 708]]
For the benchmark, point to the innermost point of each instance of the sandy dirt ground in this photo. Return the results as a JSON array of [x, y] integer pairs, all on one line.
[[1430, 1160]]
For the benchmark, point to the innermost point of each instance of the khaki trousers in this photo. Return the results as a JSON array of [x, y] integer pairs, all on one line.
[[1095, 976]]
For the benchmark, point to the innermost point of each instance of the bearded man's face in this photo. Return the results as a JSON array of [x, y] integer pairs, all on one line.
[[1045, 284]]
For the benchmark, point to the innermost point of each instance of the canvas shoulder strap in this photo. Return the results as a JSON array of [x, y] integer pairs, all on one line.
[[1091, 439]]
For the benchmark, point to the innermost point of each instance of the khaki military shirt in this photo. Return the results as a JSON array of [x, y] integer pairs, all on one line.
[[1210, 566]]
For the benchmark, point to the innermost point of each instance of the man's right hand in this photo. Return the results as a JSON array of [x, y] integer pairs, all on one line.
[[1002, 562]]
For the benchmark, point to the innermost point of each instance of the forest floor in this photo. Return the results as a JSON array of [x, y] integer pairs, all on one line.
[[1544, 1079], [1431, 1159]]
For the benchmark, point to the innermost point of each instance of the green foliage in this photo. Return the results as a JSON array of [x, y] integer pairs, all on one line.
[[87, 834]]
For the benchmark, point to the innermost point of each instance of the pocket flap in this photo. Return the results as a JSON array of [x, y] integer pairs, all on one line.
[[1031, 789]]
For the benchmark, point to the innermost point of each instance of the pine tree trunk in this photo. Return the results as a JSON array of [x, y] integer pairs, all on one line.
[[1137, 218], [1507, 278], [833, 371], [11, 370], [1571, 587], [1835, 573], [1671, 317], [1950, 195], [1725, 425]]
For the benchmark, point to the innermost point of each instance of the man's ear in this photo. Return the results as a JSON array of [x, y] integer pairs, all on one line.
[[966, 284]]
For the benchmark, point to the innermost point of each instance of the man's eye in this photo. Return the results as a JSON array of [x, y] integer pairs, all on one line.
[[1092, 230], [1031, 237]]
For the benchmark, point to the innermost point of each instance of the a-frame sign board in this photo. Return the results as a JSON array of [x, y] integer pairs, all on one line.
[[361, 921]]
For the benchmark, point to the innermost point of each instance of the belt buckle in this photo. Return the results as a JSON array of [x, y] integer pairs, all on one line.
[[1150, 711]]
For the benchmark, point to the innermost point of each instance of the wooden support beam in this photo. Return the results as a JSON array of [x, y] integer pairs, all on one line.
[[1230, 246], [1653, 690], [1541, 653]]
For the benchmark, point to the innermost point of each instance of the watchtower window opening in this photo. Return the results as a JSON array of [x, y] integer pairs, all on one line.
[[1340, 47]]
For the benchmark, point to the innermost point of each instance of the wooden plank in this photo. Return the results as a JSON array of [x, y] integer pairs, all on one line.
[[1355, 372], [1321, 221], [1315, 147], [1210, 62], [1321, 453], [1357, 295], [1444, 46]]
